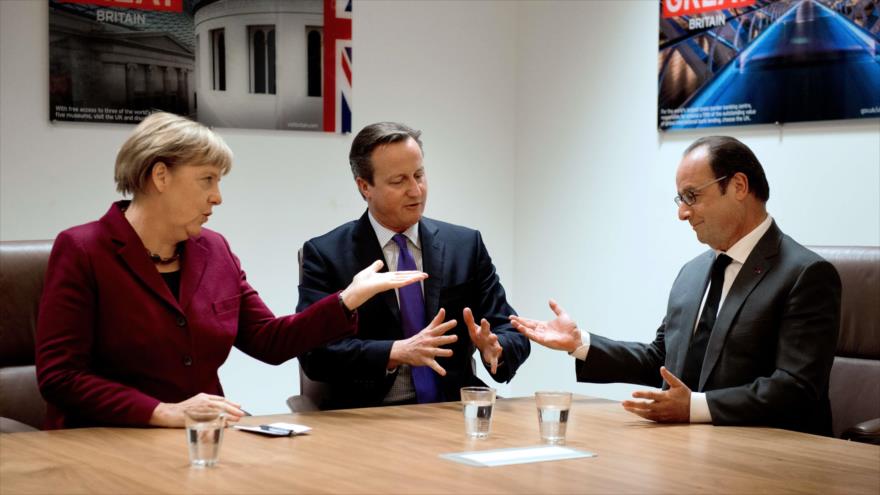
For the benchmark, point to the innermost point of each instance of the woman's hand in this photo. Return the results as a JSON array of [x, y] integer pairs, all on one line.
[[171, 415], [369, 282]]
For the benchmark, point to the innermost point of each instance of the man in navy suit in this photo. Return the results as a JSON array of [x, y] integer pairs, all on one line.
[[411, 345], [751, 325]]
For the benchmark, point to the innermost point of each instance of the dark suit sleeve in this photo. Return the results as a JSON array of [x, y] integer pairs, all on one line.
[[805, 351], [494, 308], [347, 358], [65, 337], [610, 361]]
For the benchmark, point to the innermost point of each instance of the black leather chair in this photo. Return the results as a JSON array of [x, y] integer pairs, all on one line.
[[855, 375], [311, 393], [22, 271], [311, 396]]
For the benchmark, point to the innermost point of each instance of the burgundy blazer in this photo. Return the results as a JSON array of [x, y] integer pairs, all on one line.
[[112, 342]]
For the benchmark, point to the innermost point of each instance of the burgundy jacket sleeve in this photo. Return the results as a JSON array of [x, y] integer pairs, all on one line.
[[276, 340], [65, 333]]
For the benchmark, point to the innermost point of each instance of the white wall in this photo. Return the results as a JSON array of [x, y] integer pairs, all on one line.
[[286, 187], [596, 226], [539, 129]]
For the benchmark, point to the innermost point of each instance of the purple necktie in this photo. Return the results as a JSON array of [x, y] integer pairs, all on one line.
[[412, 318]]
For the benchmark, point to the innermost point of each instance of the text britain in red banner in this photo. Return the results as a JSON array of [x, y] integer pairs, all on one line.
[[678, 8], [159, 5]]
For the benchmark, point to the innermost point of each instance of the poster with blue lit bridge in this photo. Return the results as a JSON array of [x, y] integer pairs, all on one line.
[[743, 62]]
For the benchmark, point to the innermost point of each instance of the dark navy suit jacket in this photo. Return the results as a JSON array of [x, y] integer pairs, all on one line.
[[461, 275], [769, 356], [112, 341]]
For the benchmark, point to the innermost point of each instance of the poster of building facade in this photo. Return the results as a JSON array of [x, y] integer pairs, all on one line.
[[261, 64], [741, 62]]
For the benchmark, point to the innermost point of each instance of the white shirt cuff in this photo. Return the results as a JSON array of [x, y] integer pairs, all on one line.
[[581, 352], [700, 408]]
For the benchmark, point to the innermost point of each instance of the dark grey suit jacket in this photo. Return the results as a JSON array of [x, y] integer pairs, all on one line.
[[461, 275], [769, 356]]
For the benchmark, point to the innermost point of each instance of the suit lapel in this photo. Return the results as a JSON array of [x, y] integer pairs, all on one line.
[[433, 264], [760, 261], [694, 287], [134, 255], [367, 250], [193, 263]]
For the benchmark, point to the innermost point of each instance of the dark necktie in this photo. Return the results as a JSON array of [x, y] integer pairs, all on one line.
[[697, 351], [412, 318]]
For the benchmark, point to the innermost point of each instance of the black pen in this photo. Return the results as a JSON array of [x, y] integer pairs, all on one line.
[[276, 431]]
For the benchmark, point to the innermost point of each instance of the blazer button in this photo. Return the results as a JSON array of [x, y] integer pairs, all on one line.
[[181, 321], [187, 360]]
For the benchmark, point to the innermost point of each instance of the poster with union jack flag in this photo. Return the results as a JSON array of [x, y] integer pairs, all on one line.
[[268, 64], [337, 66]]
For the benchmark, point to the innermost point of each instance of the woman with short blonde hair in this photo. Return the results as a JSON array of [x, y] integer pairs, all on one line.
[[172, 140], [141, 308]]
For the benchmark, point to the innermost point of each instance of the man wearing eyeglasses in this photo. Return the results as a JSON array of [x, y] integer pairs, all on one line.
[[751, 325]]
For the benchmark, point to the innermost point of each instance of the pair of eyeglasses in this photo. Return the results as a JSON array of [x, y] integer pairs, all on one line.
[[689, 197]]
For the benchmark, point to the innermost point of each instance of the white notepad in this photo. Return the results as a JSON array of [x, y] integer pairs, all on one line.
[[518, 455]]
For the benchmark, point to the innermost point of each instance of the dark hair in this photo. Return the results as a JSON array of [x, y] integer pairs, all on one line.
[[372, 136], [727, 156]]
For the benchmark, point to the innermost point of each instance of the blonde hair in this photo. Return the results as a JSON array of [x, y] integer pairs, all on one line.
[[172, 140]]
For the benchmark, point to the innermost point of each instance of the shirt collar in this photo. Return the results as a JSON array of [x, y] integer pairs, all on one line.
[[741, 250], [385, 234]]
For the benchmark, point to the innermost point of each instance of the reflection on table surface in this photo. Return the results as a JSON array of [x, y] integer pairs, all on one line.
[[397, 449]]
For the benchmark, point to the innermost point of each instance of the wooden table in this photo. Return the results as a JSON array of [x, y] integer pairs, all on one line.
[[396, 449]]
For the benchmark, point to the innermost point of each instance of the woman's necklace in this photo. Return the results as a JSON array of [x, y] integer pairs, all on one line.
[[155, 257], [165, 261]]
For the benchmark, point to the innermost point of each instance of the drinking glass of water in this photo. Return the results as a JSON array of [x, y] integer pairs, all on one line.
[[553, 410], [204, 434], [477, 403]]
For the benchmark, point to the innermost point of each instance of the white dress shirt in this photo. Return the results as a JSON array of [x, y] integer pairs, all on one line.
[[738, 253]]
